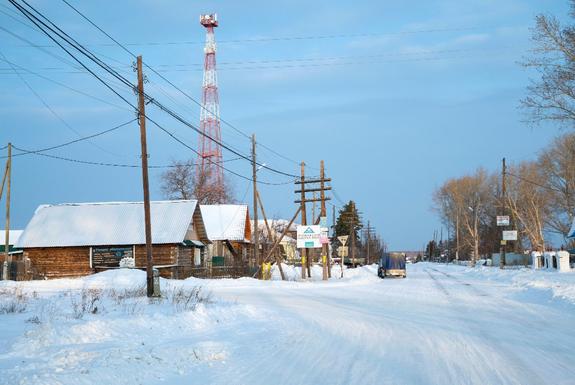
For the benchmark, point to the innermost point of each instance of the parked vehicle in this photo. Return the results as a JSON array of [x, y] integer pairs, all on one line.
[[392, 265]]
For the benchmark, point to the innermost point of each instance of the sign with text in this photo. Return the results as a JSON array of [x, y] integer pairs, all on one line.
[[308, 237], [503, 220], [510, 235]]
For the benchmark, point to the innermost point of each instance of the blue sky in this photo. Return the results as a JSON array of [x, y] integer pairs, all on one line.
[[396, 97]]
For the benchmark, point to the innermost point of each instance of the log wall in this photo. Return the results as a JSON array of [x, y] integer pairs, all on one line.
[[63, 262], [60, 262]]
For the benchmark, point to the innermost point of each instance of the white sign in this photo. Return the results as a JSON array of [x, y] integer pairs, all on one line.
[[324, 239], [342, 251], [343, 239], [308, 237], [503, 220], [510, 235]]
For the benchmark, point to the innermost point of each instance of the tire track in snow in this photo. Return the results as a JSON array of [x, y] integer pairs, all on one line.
[[514, 361]]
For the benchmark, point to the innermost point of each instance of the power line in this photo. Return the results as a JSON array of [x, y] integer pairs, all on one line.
[[52, 111], [74, 141], [172, 84], [532, 182], [296, 38], [320, 62], [107, 68], [94, 163], [26, 70], [37, 22], [27, 152], [173, 136]]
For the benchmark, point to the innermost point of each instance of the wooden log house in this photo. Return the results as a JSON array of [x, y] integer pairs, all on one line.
[[229, 230], [76, 239]]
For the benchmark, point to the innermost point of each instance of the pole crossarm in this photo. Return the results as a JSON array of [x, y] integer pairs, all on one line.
[[312, 200], [319, 189], [312, 181]]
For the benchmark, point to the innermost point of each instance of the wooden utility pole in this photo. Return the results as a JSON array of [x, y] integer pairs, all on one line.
[[503, 247], [323, 214], [145, 184], [303, 200], [333, 235], [457, 236], [272, 235], [278, 241], [8, 175], [367, 257], [255, 188], [352, 232], [304, 256]]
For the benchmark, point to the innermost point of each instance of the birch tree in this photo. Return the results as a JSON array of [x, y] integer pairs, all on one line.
[[528, 200]]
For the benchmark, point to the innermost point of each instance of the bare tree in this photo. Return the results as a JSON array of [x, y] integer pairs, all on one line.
[[178, 181], [182, 182], [557, 165], [528, 200], [466, 204], [552, 96]]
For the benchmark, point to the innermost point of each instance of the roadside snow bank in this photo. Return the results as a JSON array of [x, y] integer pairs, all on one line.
[[103, 329], [561, 284]]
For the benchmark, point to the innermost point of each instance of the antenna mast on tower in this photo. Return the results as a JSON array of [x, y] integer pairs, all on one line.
[[210, 174]]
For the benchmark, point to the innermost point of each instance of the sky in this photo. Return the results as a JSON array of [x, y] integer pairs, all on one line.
[[395, 97]]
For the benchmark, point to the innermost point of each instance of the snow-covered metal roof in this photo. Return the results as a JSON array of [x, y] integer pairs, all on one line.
[[107, 223], [14, 235], [225, 222]]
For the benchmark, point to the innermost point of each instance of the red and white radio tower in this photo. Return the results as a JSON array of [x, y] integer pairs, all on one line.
[[210, 152]]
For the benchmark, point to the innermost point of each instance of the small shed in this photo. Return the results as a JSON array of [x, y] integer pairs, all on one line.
[[75, 239], [556, 261], [229, 230]]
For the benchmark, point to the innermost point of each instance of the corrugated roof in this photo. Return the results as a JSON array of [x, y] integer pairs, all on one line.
[[225, 222], [107, 223]]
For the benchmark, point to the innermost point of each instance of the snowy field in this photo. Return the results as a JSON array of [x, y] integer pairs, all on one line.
[[440, 325]]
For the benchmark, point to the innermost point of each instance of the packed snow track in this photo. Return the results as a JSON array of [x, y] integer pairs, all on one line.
[[440, 325]]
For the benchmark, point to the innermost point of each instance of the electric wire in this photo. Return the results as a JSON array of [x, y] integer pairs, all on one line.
[[37, 22], [92, 57], [298, 38], [115, 74], [76, 140], [28, 71], [53, 112], [532, 182], [173, 136], [171, 83], [26, 152]]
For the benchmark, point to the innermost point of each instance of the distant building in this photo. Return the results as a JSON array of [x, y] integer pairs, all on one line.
[[287, 247], [228, 228], [75, 239]]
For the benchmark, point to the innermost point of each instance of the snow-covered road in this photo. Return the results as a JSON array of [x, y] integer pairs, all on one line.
[[440, 325]]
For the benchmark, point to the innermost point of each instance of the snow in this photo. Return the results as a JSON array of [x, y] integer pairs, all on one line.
[[14, 235], [107, 223], [440, 325]]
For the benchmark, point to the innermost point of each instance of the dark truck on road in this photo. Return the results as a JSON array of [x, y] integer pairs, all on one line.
[[392, 265]]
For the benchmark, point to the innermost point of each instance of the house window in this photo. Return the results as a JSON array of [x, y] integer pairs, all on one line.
[[197, 256]]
